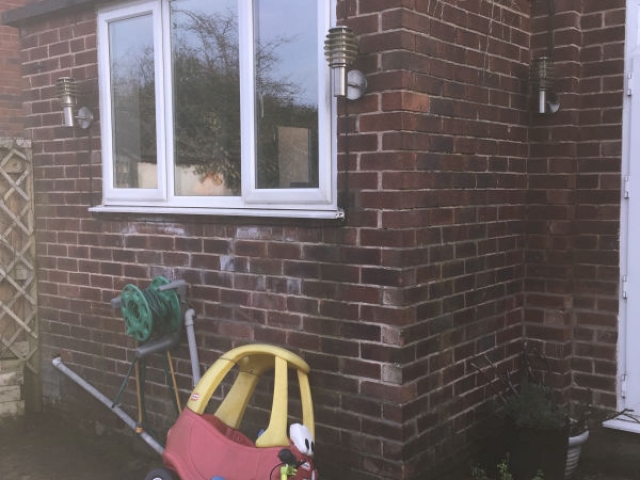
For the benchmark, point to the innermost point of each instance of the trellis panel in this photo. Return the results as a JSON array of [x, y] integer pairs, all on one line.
[[18, 313]]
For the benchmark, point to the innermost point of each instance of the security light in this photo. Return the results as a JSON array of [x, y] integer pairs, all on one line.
[[341, 49], [541, 70], [542, 82], [68, 95]]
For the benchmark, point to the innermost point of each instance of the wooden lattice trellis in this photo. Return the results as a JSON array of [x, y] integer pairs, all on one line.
[[18, 321]]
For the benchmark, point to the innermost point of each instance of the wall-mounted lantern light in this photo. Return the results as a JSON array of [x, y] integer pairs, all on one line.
[[341, 49], [542, 82], [542, 70], [68, 95]]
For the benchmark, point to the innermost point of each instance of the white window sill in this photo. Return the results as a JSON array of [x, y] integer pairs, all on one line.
[[622, 424], [231, 212]]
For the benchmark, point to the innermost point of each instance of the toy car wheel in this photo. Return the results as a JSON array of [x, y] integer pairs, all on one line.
[[160, 474]]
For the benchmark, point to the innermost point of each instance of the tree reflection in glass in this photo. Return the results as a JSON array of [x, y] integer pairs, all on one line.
[[286, 93], [133, 98], [206, 82], [206, 79]]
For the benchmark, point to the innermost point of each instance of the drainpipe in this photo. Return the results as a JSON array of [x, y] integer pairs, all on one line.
[[189, 316], [57, 362]]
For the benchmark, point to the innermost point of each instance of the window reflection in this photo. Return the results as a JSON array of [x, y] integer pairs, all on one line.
[[133, 97], [206, 79], [286, 94]]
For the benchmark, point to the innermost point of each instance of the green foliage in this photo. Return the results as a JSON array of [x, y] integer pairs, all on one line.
[[533, 407], [502, 472]]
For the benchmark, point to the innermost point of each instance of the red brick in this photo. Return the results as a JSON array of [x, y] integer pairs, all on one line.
[[470, 223]]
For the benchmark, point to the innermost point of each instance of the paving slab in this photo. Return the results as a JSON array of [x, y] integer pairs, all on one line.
[[48, 448]]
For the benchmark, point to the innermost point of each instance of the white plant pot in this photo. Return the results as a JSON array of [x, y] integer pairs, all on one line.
[[573, 452]]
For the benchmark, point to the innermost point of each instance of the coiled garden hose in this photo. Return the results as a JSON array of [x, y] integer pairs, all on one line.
[[150, 311]]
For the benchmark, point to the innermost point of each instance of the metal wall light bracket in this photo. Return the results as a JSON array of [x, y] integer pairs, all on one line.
[[84, 117], [341, 50], [356, 84], [68, 96]]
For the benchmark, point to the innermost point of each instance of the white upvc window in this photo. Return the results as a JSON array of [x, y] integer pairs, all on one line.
[[217, 107]]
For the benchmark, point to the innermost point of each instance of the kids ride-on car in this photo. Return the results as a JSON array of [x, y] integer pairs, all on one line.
[[203, 446]]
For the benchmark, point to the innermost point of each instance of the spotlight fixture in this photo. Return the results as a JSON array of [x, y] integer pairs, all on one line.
[[341, 49], [542, 82], [68, 95]]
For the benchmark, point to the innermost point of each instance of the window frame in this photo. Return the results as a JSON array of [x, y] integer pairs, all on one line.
[[318, 202]]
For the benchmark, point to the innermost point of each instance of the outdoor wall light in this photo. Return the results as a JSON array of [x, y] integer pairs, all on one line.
[[68, 95], [542, 83], [341, 49], [542, 70]]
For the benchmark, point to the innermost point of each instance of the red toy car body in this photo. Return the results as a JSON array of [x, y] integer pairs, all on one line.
[[202, 446]]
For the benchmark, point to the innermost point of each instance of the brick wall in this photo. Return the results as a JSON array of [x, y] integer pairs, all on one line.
[[599, 167], [464, 227], [11, 116], [453, 74], [574, 200]]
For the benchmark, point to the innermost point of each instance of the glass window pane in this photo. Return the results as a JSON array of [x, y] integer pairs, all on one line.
[[134, 106], [286, 93], [206, 82]]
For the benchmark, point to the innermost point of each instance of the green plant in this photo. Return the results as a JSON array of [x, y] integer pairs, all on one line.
[[502, 472], [529, 404], [533, 407], [537, 427]]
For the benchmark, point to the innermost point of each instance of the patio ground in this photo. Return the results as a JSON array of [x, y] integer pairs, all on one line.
[[47, 447]]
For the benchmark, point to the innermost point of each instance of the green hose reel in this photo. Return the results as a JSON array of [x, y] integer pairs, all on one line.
[[150, 311]]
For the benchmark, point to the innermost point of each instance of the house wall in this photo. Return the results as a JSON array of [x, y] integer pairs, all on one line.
[[464, 69], [445, 255], [11, 118], [574, 201]]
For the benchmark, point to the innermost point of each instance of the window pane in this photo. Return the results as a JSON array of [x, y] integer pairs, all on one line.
[[133, 97], [286, 93], [206, 97]]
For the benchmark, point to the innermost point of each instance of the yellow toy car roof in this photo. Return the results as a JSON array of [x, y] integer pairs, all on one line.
[[253, 361]]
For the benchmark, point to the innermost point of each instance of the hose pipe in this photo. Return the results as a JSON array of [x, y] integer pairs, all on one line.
[[150, 311]]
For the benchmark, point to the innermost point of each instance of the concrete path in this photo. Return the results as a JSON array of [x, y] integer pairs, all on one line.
[[43, 448]]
